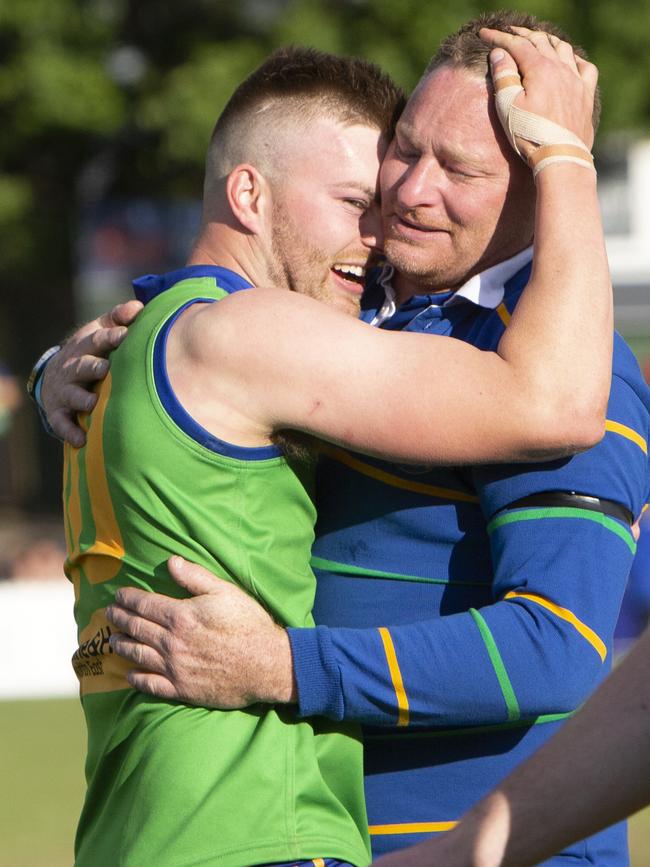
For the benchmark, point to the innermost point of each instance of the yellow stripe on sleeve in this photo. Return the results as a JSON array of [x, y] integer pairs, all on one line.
[[627, 432], [596, 642], [503, 314], [411, 828], [396, 677]]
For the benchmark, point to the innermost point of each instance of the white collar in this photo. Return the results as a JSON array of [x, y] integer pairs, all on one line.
[[485, 289]]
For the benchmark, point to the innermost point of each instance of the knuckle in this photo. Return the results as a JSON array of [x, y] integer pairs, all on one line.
[[97, 338], [180, 621]]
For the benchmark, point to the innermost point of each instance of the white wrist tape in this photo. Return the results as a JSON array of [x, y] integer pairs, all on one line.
[[556, 144]]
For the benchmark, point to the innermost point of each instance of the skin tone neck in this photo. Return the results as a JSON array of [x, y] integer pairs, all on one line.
[[231, 231]]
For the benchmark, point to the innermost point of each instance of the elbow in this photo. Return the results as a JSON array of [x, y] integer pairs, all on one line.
[[584, 427], [562, 430], [580, 413]]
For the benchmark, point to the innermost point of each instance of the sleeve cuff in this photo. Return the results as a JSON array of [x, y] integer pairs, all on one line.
[[318, 678]]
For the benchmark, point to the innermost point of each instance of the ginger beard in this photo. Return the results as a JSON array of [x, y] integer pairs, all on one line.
[[310, 270], [324, 220]]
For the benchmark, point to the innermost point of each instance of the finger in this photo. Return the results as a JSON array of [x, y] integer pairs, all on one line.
[[153, 684], [127, 312], [140, 654], [542, 40], [150, 606], [85, 368], [73, 399], [539, 38], [588, 72], [111, 318], [67, 430], [105, 340], [136, 627], [192, 577], [523, 53], [503, 68], [566, 53]]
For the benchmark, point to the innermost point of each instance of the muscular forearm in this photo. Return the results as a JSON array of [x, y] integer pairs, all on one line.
[[570, 273], [564, 354]]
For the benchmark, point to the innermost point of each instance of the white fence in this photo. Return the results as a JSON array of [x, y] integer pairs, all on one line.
[[38, 636]]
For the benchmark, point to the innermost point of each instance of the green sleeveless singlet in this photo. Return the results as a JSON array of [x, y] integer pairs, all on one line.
[[170, 784]]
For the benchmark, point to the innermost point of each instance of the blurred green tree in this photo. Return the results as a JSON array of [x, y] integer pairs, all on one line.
[[107, 98]]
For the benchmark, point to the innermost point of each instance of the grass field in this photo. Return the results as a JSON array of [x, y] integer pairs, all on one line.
[[43, 744]]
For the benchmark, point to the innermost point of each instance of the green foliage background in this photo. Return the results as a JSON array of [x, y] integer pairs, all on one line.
[[69, 116], [61, 106]]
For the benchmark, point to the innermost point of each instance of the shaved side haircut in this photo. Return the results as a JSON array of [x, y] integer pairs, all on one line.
[[291, 88]]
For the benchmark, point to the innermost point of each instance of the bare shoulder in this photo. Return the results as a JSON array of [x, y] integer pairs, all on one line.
[[257, 322]]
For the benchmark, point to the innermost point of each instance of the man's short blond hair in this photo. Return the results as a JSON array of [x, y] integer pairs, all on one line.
[[291, 88], [466, 50]]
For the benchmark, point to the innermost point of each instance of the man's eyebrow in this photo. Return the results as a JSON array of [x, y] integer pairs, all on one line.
[[371, 192], [456, 154]]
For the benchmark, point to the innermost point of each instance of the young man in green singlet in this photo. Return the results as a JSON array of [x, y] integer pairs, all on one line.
[[179, 459]]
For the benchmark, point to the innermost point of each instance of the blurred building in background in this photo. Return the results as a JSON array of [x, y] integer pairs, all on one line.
[[624, 189]]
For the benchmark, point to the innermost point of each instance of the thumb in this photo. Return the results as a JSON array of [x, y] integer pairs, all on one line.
[[507, 87], [503, 66], [127, 312], [192, 577]]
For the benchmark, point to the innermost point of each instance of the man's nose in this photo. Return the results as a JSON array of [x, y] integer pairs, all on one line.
[[371, 228], [420, 185]]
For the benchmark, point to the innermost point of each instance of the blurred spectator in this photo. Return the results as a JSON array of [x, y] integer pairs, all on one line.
[[40, 559], [10, 398], [31, 547]]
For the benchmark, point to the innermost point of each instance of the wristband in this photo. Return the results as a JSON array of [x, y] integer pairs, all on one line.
[[35, 383], [34, 379], [555, 143]]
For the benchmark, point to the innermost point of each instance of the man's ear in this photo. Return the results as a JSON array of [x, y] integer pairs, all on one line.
[[248, 196]]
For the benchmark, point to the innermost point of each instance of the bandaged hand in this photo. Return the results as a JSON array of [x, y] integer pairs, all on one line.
[[544, 97]]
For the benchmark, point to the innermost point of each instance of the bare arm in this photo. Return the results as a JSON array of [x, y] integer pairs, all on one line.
[[544, 391], [594, 772]]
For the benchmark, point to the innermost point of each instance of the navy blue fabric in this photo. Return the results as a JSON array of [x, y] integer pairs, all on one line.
[[150, 285], [429, 565]]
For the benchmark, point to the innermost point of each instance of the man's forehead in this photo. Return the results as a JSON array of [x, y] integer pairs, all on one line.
[[349, 151], [451, 106], [450, 90]]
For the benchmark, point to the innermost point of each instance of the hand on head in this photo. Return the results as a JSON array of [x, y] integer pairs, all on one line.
[[545, 94]]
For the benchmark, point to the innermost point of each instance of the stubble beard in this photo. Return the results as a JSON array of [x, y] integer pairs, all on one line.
[[303, 268], [425, 276]]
